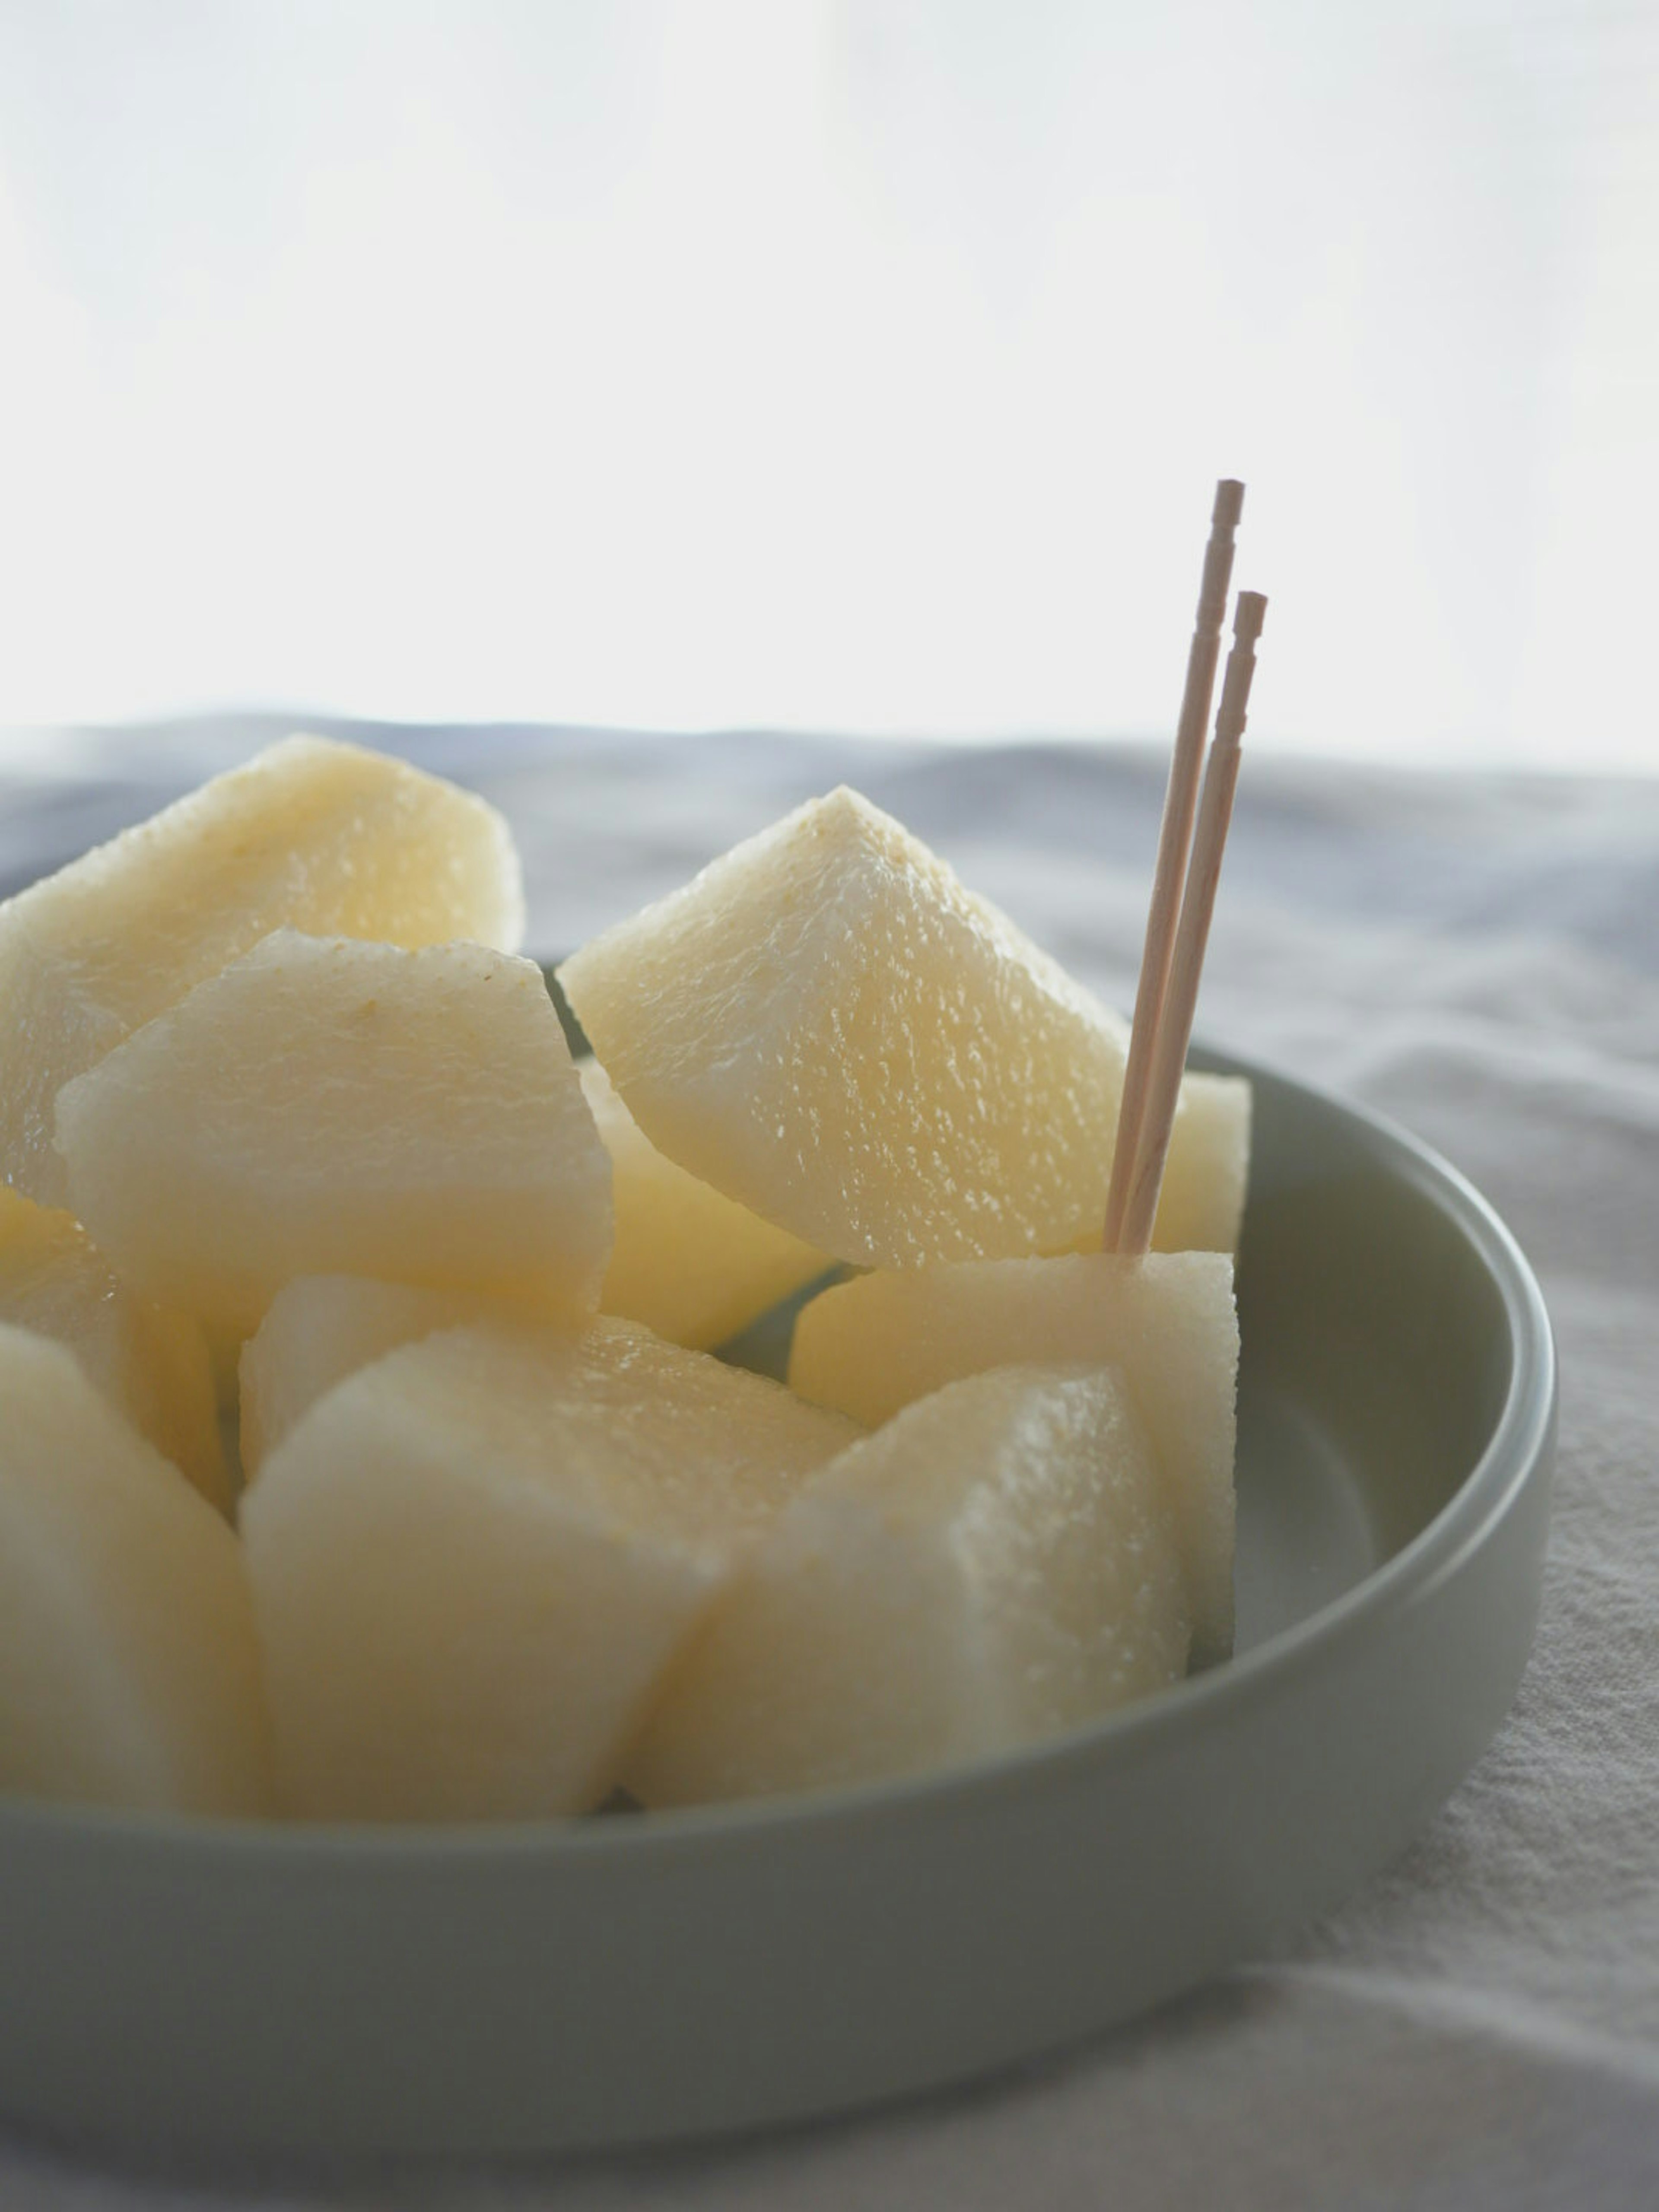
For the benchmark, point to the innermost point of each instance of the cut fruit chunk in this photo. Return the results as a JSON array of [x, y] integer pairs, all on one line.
[[827, 1027], [690, 1264], [472, 1560], [311, 835], [320, 1329], [325, 1107], [996, 1565], [129, 1669], [1167, 1322], [151, 1365], [1201, 1206]]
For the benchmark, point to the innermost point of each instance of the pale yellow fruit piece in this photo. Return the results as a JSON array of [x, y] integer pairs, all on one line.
[[996, 1563], [689, 1263], [472, 1560], [827, 1027], [129, 1666], [151, 1364], [1201, 1206], [1201, 1202], [329, 1107], [1167, 1323], [320, 1329], [311, 835]]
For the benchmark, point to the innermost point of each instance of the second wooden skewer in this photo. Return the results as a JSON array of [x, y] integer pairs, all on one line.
[[1173, 837], [1175, 1028]]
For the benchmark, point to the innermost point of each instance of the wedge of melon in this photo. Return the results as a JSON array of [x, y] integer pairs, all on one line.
[[472, 1561], [826, 1026], [996, 1563], [310, 835], [1167, 1323], [691, 1265], [327, 1107], [151, 1364], [129, 1669]]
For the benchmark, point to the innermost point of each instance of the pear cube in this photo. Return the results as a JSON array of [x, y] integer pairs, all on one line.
[[129, 1666], [996, 1563], [318, 1330], [1200, 1203], [827, 1027], [473, 1561], [1167, 1323], [310, 835], [151, 1365], [325, 1106], [690, 1264]]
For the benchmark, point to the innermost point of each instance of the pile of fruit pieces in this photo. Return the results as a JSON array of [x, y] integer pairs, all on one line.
[[302, 1175]]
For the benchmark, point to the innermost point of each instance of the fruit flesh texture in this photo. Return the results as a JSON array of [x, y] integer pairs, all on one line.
[[151, 1364], [472, 1560], [325, 1106], [321, 1329], [996, 1563], [1200, 1203], [310, 835], [827, 1027], [688, 1263], [129, 1669], [1166, 1322]]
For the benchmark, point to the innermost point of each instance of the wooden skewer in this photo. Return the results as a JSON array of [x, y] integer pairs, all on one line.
[[1191, 935], [1173, 837]]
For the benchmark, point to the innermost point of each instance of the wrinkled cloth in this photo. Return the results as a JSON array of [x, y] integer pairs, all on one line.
[[1479, 2025]]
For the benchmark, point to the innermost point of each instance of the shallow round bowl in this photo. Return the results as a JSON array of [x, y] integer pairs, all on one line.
[[621, 1980]]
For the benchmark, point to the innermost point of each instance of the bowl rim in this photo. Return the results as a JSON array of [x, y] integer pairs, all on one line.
[[1519, 1440]]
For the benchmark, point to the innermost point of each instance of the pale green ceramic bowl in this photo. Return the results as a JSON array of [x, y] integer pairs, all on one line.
[[629, 1980]]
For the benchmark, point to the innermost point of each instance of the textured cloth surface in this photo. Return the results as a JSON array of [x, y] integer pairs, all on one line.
[[1479, 2027]]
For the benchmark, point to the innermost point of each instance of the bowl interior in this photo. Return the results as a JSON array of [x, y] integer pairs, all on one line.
[[1377, 1357]]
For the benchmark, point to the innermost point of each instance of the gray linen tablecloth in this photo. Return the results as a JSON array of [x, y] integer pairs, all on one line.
[[1480, 958]]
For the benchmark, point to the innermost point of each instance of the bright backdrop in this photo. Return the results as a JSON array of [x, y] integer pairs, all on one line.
[[853, 364]]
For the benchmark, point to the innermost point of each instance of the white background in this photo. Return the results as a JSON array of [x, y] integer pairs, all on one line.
[[832, 363]]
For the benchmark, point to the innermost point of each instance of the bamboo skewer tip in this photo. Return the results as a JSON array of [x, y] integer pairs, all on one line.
[[1248, 614]]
